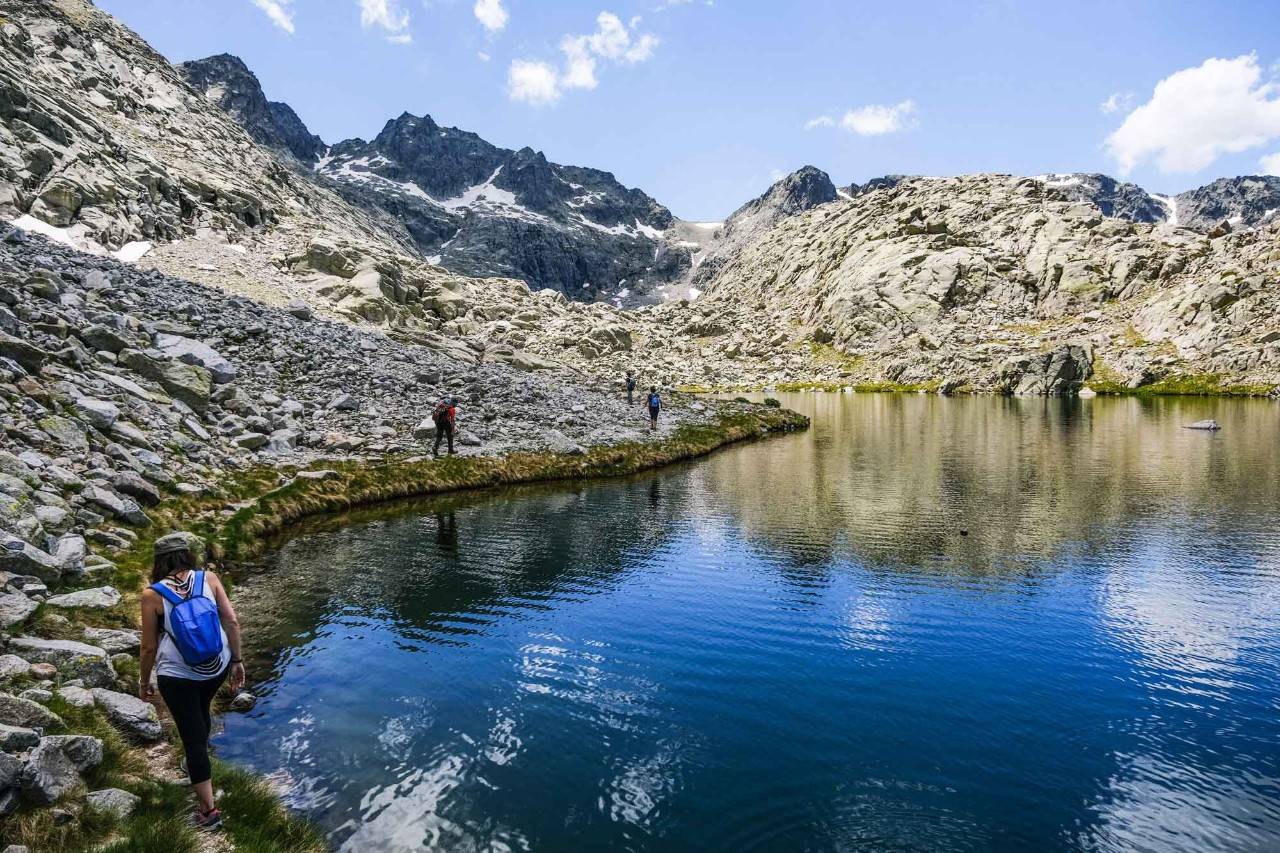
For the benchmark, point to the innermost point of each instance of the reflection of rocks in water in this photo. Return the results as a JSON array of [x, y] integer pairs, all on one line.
[[893, 479], [408, 561]]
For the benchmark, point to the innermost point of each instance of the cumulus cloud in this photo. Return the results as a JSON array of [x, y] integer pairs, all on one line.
[[612, 42], [877, 119], [1271, 164], [871, 120], [1117, 102], [1196, 115], [533, 82], [386, 15], [491, 15], [279, 13]]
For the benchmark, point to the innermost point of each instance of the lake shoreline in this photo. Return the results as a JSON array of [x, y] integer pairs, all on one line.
[[263, 506]]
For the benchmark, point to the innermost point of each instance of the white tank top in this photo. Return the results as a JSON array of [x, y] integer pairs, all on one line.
[[169, 660]]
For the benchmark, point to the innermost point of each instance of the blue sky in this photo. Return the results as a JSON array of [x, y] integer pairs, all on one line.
[[701, 104]]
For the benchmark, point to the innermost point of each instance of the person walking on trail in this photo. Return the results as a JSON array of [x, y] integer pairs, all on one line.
[[191, 640], [655, 406], [631, 388], [445, 417]]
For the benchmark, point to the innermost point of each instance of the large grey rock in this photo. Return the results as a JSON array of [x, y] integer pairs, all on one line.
[[71, 551], [11, 666], [17, 739], [123, 508], [15, 608], [22, 558], [16, 711], [137, 487], [73, 660], [53, 768], [189, 383], [76, 697], [199, 353], [558, 442], [99, 598], [68, 433], [11, 768], [130, 714], [98, 413], [1210, 425], [113, 641], [114, 801], [1060, 373]]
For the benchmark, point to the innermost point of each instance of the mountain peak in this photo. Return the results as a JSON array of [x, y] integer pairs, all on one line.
[[225, 80]]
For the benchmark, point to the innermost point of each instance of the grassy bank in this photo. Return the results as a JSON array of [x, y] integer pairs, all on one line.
[[250, 506], [1184, 384]]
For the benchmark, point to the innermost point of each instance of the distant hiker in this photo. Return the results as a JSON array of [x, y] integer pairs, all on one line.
[[445, 417], [631, 388], [191, 639], [655, 406]]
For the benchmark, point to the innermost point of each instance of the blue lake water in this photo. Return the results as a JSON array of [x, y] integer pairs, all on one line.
[[793, 645]]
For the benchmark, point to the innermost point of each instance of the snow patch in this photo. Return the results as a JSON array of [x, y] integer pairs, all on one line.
[[648, 230], [708, 226], [1171, 207], [1058, 179], [131, 253], [77, 237]]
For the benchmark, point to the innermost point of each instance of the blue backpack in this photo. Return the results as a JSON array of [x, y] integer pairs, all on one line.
[[195, 627]]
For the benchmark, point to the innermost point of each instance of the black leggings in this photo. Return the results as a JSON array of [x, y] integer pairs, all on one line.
[[443, 430], [188, 702]]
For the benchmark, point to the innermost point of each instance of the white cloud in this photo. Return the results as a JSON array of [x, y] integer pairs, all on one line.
[[613, 41], [279, 13], [491, 15], [1198, 114], [820, 121], [1117, 102], [387, 15], [1271, 164], [533, 82], [879, 119], [484, 57]]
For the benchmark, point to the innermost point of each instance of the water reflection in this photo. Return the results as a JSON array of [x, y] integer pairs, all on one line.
[[790, 645]]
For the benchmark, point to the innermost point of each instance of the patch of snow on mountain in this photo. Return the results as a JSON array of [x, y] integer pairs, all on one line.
[[1060, 180], [1170, 205], [648, 230], [709, 226]]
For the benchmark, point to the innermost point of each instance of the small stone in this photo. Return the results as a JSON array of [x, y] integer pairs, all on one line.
[[76, 697], [243, 701], [43, 671], [17, 738], [119, 803]]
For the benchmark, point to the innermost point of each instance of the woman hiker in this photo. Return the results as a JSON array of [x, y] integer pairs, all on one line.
[[655, 406], [191, 639]]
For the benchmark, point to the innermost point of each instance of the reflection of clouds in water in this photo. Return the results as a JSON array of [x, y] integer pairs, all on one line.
[[639, 786], [611, 697], [1187, 620], [399, 732], [1152, 803], [868, 620], [300, 789]]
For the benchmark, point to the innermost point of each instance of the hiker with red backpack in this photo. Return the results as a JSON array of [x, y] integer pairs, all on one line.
[[445, 417], [191, 639]]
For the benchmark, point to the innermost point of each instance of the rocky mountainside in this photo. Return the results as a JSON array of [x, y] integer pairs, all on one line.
[[950, 280], [472, 207], [802, 190], [1243, 202], [1112, 197], [226, 81], [1239, 202]]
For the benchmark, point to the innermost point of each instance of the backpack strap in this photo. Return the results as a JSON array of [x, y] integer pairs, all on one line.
[[197, 585], [166, 593]]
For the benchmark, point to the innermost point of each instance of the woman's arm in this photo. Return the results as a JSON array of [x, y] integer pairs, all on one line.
[[231, 625], [152, 612]]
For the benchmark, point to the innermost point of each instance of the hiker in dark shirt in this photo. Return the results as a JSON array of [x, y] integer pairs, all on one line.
[[631, 388], [445, 417], [655, 406]]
